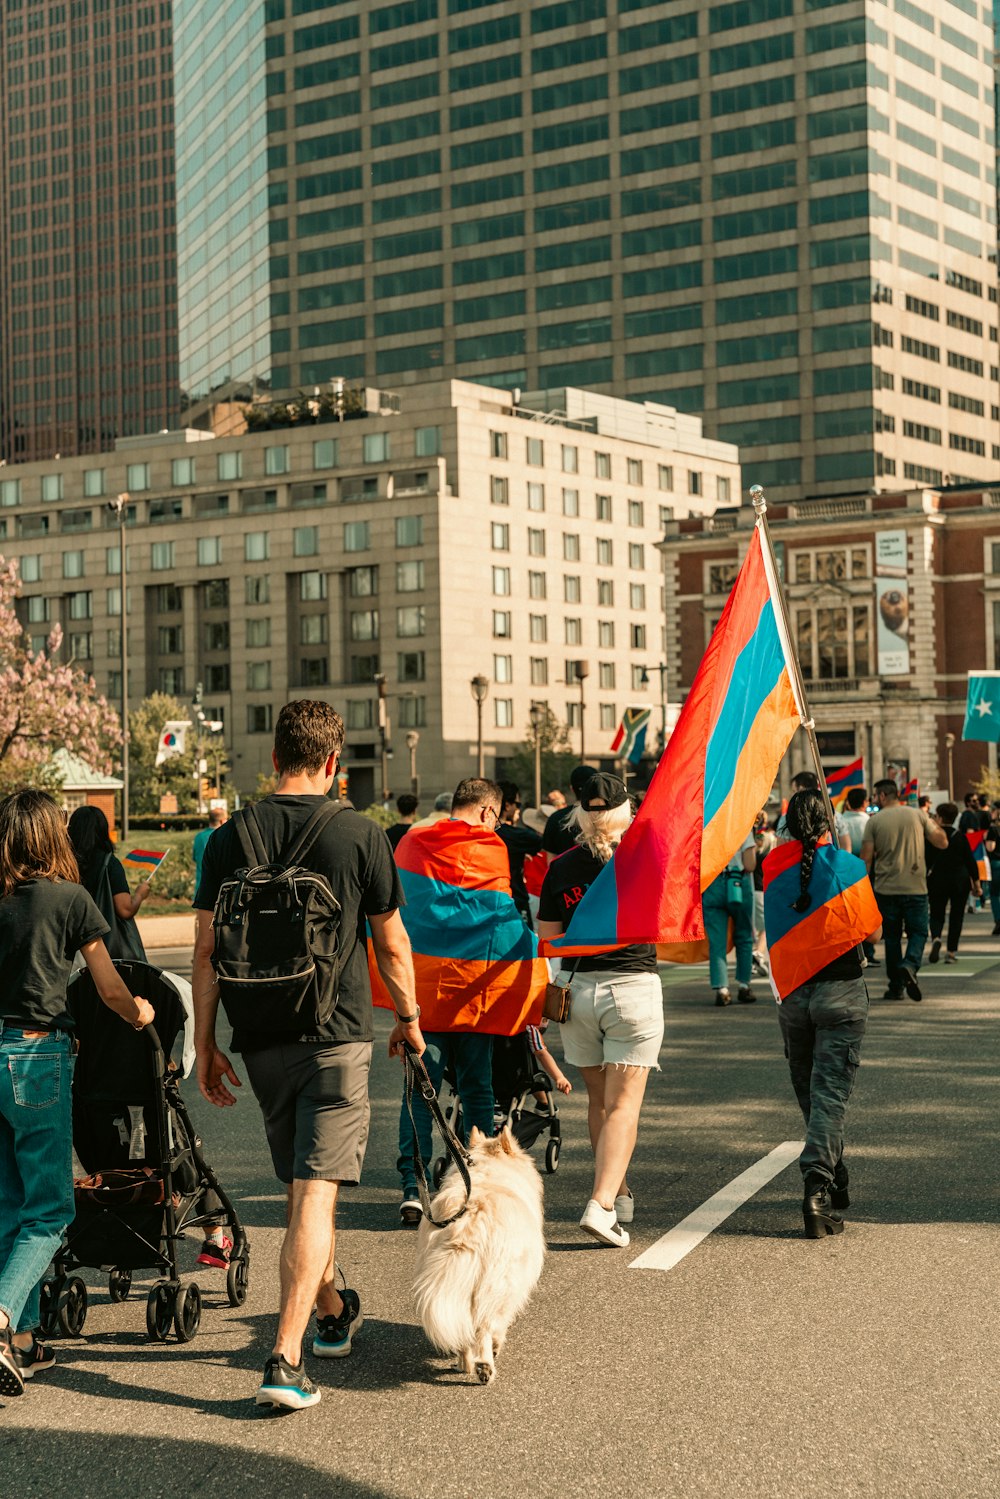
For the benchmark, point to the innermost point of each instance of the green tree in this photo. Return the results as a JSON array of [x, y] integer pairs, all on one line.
[[147, 780], [557, 757]]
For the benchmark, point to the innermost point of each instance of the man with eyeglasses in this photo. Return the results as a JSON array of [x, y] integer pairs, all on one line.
[[520, 842]]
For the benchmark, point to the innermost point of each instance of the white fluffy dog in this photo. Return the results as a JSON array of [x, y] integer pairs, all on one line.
[[476, 1274]]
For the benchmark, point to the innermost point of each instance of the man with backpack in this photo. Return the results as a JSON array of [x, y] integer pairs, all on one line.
[[291, 883]]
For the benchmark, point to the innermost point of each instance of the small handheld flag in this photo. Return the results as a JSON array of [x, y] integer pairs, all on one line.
[[151, 858], [910, 793], [630, 739], [982, 707], [841, 781]]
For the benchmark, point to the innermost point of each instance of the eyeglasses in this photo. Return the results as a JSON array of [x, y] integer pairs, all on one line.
[[493, 813]]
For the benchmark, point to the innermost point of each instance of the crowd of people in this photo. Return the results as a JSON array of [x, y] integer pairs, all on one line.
[[63, 892]]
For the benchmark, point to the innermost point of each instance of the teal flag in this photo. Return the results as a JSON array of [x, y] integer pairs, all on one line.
[[982, 707]]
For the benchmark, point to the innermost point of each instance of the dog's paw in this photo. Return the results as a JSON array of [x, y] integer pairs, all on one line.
[[484, 1372]]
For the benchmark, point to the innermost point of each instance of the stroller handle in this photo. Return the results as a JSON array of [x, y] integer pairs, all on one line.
[[159, 1062]]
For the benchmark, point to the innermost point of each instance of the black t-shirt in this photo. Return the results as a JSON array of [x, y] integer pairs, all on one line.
[[564, 886], [396, 832], [353, 854], [520, 843], [43, 924], [559, 837]]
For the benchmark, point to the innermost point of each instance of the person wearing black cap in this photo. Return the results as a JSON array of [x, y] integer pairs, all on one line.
[[615, 1026], [560, 829]]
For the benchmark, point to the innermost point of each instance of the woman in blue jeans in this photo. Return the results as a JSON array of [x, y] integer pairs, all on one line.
[[730, 898], [46, 917], [822, 1025]]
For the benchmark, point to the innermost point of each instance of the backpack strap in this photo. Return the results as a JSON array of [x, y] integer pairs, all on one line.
[[310, 833], [248, 830]]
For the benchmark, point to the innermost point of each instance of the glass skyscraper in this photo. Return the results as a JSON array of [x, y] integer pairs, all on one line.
[[778, 214]]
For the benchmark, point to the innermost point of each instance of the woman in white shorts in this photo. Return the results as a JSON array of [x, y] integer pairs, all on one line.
[[616, 1015]]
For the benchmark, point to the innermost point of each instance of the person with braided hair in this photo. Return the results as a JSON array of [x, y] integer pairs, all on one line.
[[822, 1011]]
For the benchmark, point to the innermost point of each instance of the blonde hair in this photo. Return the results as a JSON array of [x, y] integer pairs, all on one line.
[[602, 830]]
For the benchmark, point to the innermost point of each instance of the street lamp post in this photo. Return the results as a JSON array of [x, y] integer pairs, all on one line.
[[663, 700], [582, 673], [412, 740], [383, 730], [119, 506], [480, 686], [537, 716], [949, 744]]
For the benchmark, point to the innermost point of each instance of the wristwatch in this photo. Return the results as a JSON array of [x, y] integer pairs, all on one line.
[[408, 1019]]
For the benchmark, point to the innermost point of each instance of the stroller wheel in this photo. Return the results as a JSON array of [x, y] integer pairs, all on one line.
[[187, 1311], [119, 1284], [552, 1156], [237, 1278], [72, 1308], [49, 1313], [160, 1311]]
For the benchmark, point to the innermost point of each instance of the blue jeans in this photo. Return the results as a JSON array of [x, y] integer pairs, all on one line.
[[36, 1163], [729, 897], [911, 912], [470, 1056], [822, 1026]]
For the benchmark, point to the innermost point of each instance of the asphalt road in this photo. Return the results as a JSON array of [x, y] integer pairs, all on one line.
[[761, 1365]]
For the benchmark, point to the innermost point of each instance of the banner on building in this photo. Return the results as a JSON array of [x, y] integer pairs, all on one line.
[[982, 707], [892, 604]]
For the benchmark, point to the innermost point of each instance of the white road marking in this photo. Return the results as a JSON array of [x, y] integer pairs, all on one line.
[[271, 1197], [674, 1245]]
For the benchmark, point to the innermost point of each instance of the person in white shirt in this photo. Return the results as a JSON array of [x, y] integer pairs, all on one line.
[[730, 897]]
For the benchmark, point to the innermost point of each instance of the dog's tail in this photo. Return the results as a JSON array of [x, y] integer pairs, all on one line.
[[445, 1290]]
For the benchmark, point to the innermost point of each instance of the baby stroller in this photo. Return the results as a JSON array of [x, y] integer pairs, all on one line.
[[147, 1181], [517, 1077]]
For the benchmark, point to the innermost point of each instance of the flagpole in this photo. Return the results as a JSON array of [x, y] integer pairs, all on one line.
[[759, 501]]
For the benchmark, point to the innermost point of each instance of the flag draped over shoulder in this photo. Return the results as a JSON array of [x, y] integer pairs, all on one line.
[[476, 963], [977, 842], [839, 782], [841, 914], [713, 778]]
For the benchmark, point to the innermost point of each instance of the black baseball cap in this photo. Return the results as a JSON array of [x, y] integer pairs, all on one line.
[[579, 776], [603, 788]]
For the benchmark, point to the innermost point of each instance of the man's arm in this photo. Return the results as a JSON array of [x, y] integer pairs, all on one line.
[[749, 860], [935, 833], [213, 1064], [394, 959], [868, 853]]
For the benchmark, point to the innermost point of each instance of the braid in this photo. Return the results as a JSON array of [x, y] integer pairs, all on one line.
[[807, 822], [804, 900]]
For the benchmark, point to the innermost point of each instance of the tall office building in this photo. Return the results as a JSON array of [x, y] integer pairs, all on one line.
[[779, 214], [88, 316]]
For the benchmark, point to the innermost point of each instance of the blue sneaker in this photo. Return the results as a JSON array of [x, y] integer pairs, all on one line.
[[334, 1335], [287, 1387]]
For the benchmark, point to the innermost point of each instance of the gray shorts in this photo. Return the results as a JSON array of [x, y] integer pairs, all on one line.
[[615, 1019], [314, 1098]]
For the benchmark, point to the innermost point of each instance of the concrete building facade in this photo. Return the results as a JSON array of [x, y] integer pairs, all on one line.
[[88, 296], [893, 598], [775, 213], [446, 532]]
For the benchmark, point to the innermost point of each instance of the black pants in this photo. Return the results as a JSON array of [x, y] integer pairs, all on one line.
[[954, 891]]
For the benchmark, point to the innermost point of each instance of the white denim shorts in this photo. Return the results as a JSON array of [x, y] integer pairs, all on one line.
[[616, 1020]]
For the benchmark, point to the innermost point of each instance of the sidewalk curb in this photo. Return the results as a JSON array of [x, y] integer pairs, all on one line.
[[166, 931]]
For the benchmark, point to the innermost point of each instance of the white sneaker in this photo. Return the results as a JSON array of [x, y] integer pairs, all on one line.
[[602, 1225], [625, 1208]]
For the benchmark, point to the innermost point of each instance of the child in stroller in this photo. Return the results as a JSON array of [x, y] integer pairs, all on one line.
[[147, 1181]]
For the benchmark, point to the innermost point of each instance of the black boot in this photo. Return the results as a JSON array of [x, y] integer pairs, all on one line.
[[839, 1197], [817, 1210]]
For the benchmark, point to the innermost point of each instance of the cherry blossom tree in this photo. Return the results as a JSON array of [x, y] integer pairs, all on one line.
[[45, 703]]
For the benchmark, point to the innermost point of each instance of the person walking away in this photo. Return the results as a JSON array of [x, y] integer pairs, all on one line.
[[730, 898], [311, 1082], [855, 820], [440, 812], [808, 780], [46, 917], [520, 842], [560, 828], [952, 873], [823, 1018], [969, 822], [764, 840], [992, 846], [615, 1026], [406, 806], [893, 851], [216, 817], [103, 877]]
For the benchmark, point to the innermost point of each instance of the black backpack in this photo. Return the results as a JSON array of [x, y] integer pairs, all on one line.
[[277, 934]]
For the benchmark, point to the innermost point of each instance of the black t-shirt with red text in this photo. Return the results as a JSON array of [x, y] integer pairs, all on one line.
[[565, 883]]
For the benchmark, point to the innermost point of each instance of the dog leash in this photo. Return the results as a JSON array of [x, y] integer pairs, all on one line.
[[415, 1072]]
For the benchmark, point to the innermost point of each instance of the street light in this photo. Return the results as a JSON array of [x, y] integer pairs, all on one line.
[[119, 507], [480, 686], [663, 699], [949, 744], [383, 730], [582, 673], [412, 740], [537, 717]]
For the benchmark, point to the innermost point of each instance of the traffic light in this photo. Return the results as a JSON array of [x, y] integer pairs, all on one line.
[[342, 785]]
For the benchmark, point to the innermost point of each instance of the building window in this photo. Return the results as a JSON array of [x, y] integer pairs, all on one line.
[[216, 635], [314, 671], [412, 712], [209, 551], [93, 483], [539, 671], [256, 546], [501, 581], [52, 486], [609, 719], [723, 490], [635, 470], [10, 492], [538, 628], [636, 554], [535, 452], [81, 646], [31, 568], [536, 543], [637, 637], [606, 675], [137, 477], [276, 460], [38, 609], [170, 679], [665, 477], [259, 718], [834, 642], [411, 666], [536, 496], [694, 482], [228, 466], [427, 442], [364, 624], [182, 471], [305, 541], [161, 558], [605, 593], [170, 640], [258, 676], [570, 460], [360, 713], [258, 633], [606, 634], [498, 444], [409, 577], [376, 447], [362, 582], [326, 453], [639, 682], [72, 565], [501, 624], [258, 590], [312, 629], [603, 507], [602, 465], [409, 530], [605, 551], [537, 587], [411, 620], [571, 589], [637, 595], [312, 587], [722, 576], [503, 669], [571, 547], [170, 600], [573, 715], [499, 490], [503, 712], [357, 536], [571, 502], [636, 513], [500, 536], [574, 631]]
